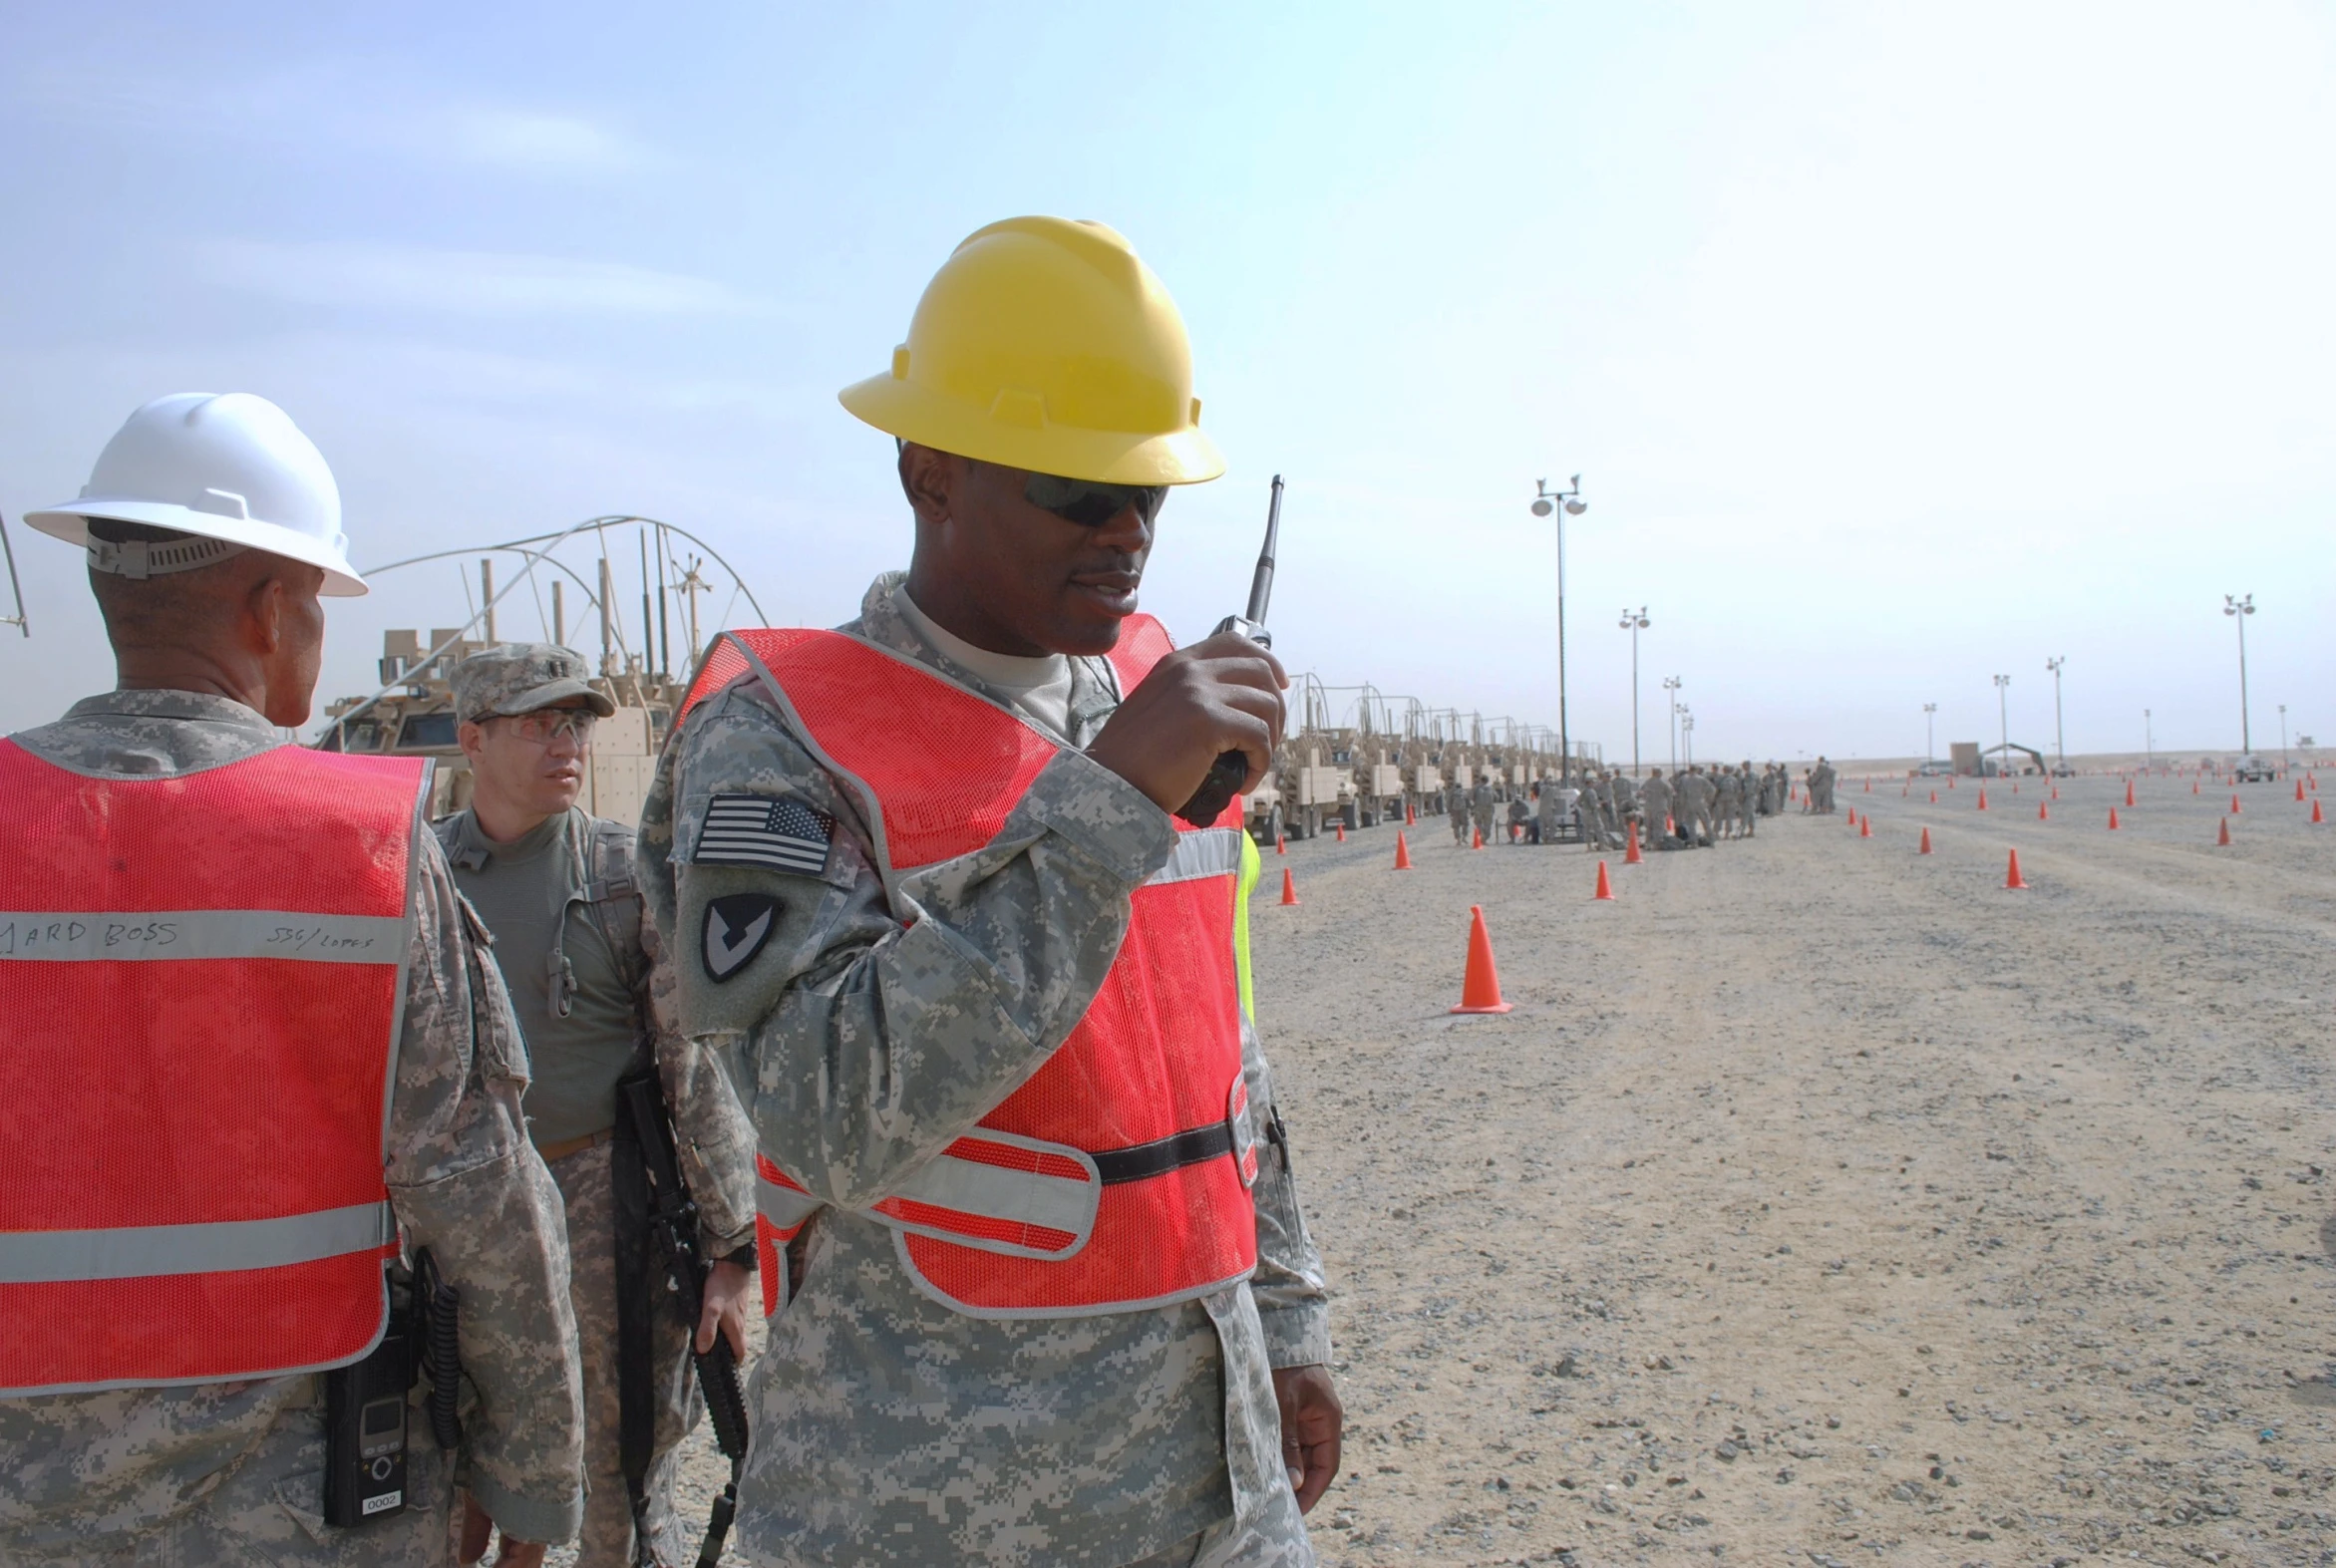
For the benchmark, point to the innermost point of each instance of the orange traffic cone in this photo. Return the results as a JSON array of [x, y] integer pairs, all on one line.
[[1403, 854], [2056, 792], [1476, 838], [1290, 886], [1606, 887], [1341, 832], [1983, 797], [2012, 882], [2129, 794], [2299, 792], [1631, 855], [1950, 781], [2234, 802], [1934, 798], [1410, 819], [2222, 839], [2194, 787], [1480, 987], [1281, 844], [1852, 817], [1925, 849], [1869, 786], [2113, 818], [2316, 810], [2044, 810], [1865, 827]]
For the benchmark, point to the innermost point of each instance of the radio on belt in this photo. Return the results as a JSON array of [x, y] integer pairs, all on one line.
[[365, 1428]]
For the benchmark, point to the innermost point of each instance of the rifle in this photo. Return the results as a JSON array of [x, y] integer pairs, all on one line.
[[1232, 768], [653, 1205]]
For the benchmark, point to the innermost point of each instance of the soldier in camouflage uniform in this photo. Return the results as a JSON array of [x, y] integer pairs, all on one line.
[[868, 1023], [211, 661], [1748, 798], [1625, 804], [555, 886], [1694, 807], [1481, 803], [1727, 801], [1455, 806], [1655, 810]]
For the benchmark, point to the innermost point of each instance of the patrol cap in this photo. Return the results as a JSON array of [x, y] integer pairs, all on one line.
[[519, 677]]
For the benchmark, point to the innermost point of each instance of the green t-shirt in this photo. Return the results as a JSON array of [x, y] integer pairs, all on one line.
[[530, 894]]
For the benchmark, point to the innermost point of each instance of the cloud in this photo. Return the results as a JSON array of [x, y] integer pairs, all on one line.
[[335, 106], [522, 139], [462, 282]]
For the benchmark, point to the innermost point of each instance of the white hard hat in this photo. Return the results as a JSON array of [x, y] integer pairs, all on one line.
[[229, 467]]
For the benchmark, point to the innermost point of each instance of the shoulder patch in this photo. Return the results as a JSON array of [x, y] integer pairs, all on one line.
[[777, 833], [738, 926]]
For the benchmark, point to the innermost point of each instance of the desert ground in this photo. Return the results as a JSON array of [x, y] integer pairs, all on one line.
[[1820, 1202]]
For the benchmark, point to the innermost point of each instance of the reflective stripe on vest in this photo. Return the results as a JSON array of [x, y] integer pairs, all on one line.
[[200, 985], [1116, 1177]]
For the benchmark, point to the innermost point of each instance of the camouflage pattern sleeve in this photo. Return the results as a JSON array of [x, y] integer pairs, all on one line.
[[1293, 1306], [716, 1143], [865, 1035], [467, 1183]]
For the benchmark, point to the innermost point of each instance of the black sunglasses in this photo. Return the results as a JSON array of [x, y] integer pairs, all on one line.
[[1089, 504]]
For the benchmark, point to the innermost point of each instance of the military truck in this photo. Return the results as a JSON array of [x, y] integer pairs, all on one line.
[[417, 718]]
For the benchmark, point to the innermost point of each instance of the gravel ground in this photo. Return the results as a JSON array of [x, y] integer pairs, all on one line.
[[1819, 1203]]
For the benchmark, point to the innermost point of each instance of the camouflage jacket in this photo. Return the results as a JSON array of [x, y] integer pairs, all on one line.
[[717, 1147], [890, 1428], [93, 1469]]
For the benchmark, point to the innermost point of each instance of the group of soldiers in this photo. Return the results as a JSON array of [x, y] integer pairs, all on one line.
[[1692, 809]]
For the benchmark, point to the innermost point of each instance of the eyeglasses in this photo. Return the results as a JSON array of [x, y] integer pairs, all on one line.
[[547, 725], [1090, 504]]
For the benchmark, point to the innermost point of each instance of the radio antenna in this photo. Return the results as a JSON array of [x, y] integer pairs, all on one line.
[[15, 587]]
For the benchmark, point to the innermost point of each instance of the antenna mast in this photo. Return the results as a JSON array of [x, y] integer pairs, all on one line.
[[18, 620]]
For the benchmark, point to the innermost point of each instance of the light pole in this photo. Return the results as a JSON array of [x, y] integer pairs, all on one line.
[[2003, 718], [1687, 732], [2284, 738], [2149, 744], [1671, 684], [2239, 609], [2060, 742], [1634, 622], [1930, 732], [1557, 504]]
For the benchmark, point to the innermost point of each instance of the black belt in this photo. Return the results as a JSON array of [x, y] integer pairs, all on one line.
[[1194, 1147]]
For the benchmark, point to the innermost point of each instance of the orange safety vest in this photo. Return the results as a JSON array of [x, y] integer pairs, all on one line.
[[200, 981], [1116, 1176]]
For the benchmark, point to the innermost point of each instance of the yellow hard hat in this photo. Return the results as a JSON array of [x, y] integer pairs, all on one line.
[[1048, 345]]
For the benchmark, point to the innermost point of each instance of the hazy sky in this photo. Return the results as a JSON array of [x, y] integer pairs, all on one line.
[[1895, 346]]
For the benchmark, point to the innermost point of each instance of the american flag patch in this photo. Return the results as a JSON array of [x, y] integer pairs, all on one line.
[[778, 833]]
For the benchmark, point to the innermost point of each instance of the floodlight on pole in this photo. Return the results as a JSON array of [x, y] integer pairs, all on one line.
[[2283, 737], [2060, 745], [1634, 622], [1671, 684], [1929, 732], [2239, 609], [1687, 732], [1559, 505], [2003, 718], [2149, 743]]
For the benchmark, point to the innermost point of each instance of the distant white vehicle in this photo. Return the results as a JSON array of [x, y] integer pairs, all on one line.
[[2252, 769]]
